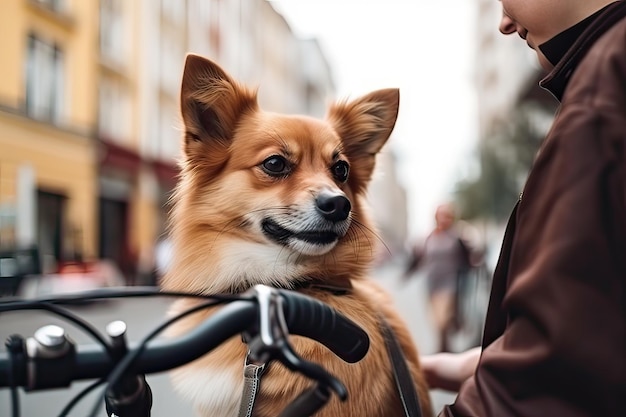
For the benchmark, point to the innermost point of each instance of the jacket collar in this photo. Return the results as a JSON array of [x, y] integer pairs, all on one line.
[[556, 48], [556, 81]]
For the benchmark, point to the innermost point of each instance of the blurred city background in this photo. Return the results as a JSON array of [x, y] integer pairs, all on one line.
[[90, 130]]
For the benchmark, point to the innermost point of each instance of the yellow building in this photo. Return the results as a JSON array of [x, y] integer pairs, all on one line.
[[48, 109], [75, 178]]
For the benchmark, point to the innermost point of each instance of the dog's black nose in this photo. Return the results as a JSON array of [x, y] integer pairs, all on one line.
[[333, 207]]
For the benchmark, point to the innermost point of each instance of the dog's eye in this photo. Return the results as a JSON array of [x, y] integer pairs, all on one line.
[[275, 165], [340, 171]]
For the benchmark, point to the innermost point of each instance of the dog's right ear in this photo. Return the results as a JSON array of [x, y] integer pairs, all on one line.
[[211, 104]]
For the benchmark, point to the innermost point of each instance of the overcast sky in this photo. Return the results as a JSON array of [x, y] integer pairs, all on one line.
[[424, 47]]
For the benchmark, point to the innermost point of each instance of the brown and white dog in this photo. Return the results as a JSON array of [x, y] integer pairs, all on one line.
[[274, 199]]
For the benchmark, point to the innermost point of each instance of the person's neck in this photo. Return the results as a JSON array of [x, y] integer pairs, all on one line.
[[556, 48]]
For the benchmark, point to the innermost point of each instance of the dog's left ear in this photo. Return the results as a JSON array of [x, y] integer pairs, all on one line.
[[364, 125], [211, 105]]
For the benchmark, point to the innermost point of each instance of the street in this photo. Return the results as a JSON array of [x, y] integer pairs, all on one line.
[[142, 315]]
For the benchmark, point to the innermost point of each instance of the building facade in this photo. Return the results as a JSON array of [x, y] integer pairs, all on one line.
[[89, 120], [47, 119]]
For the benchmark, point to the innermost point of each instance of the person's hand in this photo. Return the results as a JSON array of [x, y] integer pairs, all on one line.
[[448, 371]]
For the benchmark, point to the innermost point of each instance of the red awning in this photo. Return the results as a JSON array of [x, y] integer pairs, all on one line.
[[167, 173], [118, 157]]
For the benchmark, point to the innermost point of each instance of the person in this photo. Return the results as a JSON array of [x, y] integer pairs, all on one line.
[[554, 341], [444, 258]]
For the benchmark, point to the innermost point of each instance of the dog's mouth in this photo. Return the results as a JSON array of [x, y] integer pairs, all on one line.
[[281, 235]]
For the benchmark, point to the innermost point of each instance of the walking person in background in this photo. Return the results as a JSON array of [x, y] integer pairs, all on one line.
[[554, 342], [443, 258]]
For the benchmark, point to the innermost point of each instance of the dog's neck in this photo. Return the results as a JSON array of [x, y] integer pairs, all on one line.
[[241, 265]]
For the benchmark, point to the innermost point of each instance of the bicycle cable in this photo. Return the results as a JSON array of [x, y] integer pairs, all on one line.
[[14, 345], [123, 365], [68, 407], [50, 305], [61, 312], [117, 292], [114, 378], [96, 404]]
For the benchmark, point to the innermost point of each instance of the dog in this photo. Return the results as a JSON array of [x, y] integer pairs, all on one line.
[[277, 199]]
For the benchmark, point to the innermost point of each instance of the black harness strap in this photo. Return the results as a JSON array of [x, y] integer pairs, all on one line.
[[401, 375]]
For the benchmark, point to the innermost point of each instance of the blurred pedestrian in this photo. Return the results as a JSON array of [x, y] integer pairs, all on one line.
[[444, 260], [554, 342]]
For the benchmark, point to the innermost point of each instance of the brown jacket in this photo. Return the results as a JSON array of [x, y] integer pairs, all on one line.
[[555, 335]]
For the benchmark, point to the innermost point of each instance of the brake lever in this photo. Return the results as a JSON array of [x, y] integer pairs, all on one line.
[[271, 342], [311, 370]]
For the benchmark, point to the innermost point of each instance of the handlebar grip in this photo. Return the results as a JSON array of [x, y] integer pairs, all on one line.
[[306, 316]]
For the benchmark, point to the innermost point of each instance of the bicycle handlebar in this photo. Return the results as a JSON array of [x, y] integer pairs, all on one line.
[[304, 316]]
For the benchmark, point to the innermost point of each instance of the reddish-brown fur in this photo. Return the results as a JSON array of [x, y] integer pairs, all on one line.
[[219, 246]]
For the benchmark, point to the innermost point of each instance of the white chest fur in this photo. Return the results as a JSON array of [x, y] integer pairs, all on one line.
[[258, 264], [213, 391]]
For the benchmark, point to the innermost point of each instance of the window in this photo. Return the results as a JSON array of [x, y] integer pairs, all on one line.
[[112, 32], [44, 80], [169, 131], [174, 10], [171, 61], [54, 5], [114, 110]]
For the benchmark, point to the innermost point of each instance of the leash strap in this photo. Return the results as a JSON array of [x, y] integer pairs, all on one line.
[[401, 374], [252, 381]]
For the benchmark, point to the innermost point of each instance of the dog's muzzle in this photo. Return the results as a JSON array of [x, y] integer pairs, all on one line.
[[323, 224], [282, 235]]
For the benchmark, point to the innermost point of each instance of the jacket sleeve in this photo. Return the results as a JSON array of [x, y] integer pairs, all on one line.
[[555, 337]]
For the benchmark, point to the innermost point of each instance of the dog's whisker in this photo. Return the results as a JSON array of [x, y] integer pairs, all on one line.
[[373, 233]]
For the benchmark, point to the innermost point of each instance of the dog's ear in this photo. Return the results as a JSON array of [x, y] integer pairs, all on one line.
[[364, 126], [211, 104]]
